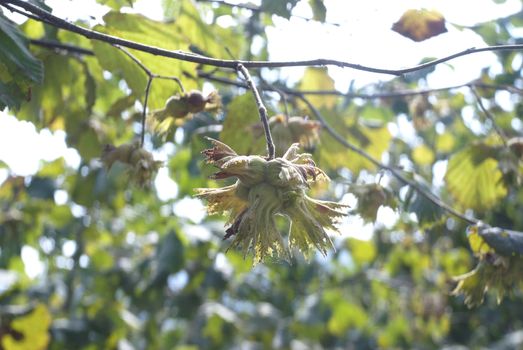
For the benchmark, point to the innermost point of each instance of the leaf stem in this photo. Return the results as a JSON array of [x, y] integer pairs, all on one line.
[[151, 77], [261, 109]]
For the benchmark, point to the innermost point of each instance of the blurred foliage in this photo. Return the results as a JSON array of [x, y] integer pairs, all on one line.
[[89, 260]]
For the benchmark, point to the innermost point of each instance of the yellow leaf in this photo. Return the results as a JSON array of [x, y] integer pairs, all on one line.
[[35, 330], [241, 117], [373, 140], [420, 25], [318, 79], [423, 155], [476, 242], [445, 142], [473, 178], [363, 252]]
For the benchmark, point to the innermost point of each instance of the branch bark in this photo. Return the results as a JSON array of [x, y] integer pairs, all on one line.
[[47, 17], [261, 110]]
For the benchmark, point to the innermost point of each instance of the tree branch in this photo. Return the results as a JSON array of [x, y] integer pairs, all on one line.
[[47, 17], [287, 91], [58, 46], [368, 96], [261, 110], [396, 173]]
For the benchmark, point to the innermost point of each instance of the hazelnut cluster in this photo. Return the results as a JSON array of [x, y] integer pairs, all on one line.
[[264, 189], [141, 164]]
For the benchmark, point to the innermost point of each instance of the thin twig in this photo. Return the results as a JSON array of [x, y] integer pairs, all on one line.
[[283, 95], [367, 96], [166, 77], [58, 46], [261, 109], [148, 71], [144, 112], [23, 13], [396, 173], [151, 77], [136, 60], [490, 117], [287, 91], [190, 57]]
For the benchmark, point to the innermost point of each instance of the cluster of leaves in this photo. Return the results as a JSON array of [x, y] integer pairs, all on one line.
[[124, 266]]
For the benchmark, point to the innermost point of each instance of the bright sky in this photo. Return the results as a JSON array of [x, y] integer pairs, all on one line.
[[364, 37]]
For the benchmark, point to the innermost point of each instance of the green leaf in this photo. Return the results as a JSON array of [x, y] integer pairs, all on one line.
[[504, 242], [60, 215], [60, 102], [117, 62], [19, 68], [169, 259], [376, 114], [101, 259], [41, 187], [473, 178], [281, 8], [241, 116], [319, 11], [372, 140], [170, 254], [363, 252], [116, 4], [427, 212], [146, 31], [15, 52], [211, 40], [397, 331], [346, 316]]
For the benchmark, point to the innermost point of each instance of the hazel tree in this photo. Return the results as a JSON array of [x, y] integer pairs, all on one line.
[[194, 102]]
